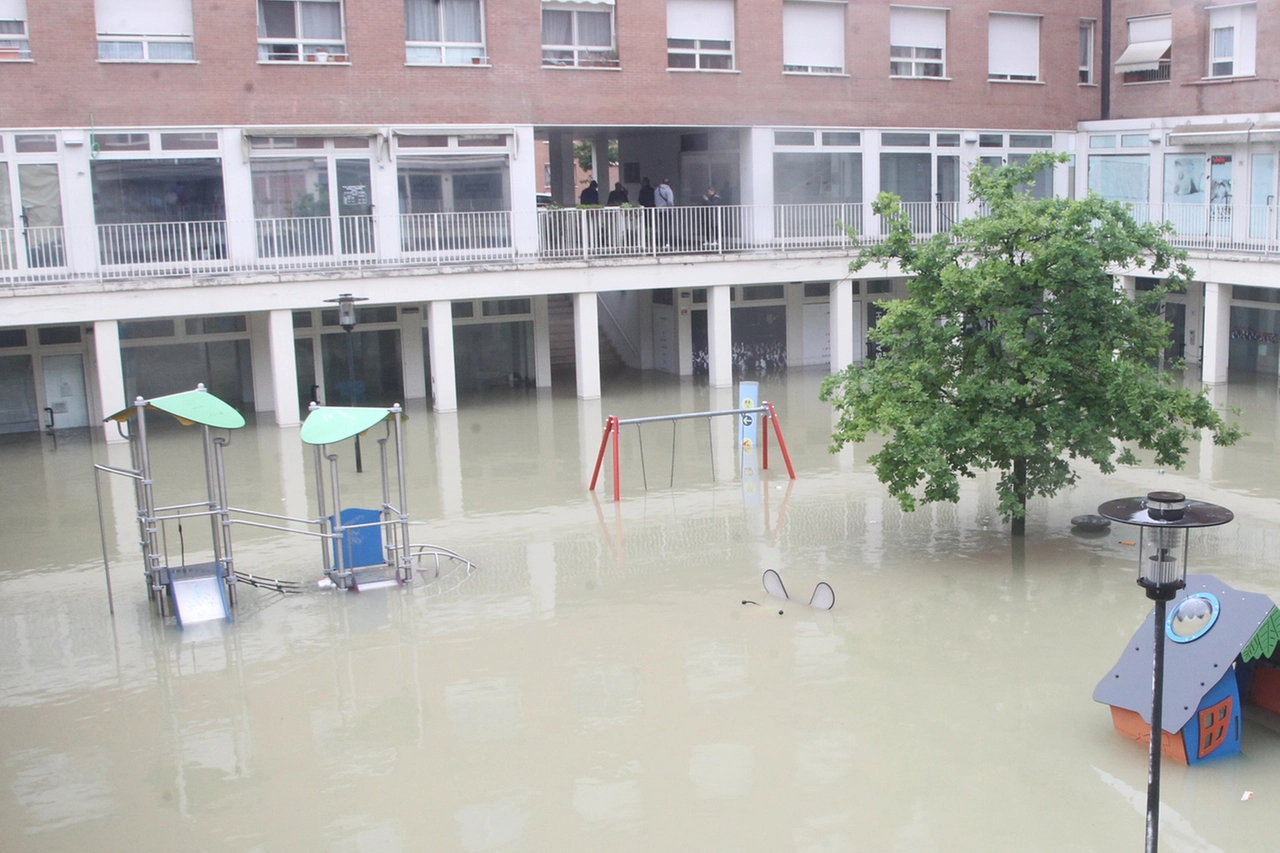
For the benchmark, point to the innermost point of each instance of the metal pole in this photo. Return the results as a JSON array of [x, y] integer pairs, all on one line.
[[1157, 730], [351, 391]]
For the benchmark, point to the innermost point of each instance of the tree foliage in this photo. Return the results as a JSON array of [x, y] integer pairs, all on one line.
[[1015, 351]]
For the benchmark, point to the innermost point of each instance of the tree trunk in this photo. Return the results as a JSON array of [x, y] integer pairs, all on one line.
[[1020, 489]]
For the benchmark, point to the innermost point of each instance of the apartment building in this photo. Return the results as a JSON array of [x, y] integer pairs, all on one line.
[[187, 186]]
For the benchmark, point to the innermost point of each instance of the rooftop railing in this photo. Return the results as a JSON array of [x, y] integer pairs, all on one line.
[[412, 240]]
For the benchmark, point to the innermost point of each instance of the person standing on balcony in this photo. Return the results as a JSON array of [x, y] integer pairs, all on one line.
[[645, 198], [664, 200], [618, 195], [590, 195], [710, 219]]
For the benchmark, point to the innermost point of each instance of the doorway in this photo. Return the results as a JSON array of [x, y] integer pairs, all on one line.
[[66, 404]]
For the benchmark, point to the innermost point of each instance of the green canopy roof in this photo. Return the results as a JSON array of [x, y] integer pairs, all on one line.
[[189, 407], [329, 424]]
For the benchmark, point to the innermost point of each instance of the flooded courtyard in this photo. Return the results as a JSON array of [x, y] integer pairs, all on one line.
[[597, 683]]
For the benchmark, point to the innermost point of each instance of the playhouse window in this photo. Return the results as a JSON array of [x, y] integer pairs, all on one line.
[[1192, 618], [1215, 722]]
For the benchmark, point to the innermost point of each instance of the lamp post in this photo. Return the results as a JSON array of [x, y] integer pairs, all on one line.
[[347, 320], [1164, 521]]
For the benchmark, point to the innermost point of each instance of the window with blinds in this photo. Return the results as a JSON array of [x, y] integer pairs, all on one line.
[[812, 37], [1013, 47], [700, 35]]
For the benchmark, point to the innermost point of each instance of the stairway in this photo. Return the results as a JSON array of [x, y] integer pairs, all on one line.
[[560, 322]]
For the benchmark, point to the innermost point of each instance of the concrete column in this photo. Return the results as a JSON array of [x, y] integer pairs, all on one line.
[[719, 337], [525, 185], [448, 451], [81, 237], [386, 201], [841, 296], [586, 344], [541, 342], [684, 332], [1217, 333], [563, 191], [1194, 339], [260, 356], [411, 356], [590, 432], [757, 180], [444, 380], [236, 177], [600, 165], [283, 368], [110, 371]]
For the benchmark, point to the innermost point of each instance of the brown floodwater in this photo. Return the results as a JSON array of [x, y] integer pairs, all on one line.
[[597, 683]]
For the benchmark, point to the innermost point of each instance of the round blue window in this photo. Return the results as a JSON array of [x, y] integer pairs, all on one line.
[[1192, 618]]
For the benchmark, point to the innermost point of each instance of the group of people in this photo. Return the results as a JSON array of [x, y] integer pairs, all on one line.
[[662, 198]]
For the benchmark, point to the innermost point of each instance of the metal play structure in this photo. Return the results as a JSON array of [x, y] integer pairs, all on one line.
[[748, 413], [360, 548]]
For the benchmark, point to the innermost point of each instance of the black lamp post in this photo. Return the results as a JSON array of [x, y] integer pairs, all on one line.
[[1164, 520], [347, 320]]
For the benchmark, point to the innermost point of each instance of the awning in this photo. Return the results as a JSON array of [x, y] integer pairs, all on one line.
[[189, 407], [331, 424], [1225, 132], [1142, 56], [312, 130]]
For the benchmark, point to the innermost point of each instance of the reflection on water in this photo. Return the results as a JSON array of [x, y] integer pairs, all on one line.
[[597, 684]]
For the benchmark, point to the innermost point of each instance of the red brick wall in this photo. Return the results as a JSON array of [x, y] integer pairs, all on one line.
[[1186, 94], [66, 85]]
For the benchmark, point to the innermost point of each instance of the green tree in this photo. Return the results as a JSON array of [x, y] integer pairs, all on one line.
[[1015, 351], [582, 153]]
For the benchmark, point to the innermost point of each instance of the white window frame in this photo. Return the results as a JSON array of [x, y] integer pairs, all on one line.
[[915, 61], [1088, 29], [304, 48], [790, 49], [14, 45], [129, 31], [687, 41], [1002, 68], [1240, 19], [451, 52], [582, 55]]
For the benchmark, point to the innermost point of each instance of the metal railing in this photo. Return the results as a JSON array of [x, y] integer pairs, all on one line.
[[159, 249]]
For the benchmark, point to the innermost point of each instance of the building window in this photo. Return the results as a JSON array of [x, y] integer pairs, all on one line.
[[13, 30], [444, 32], [1148, 57], [917, 41], [700, 35], [144, 30], [1013, 47], [812, 37], [578, 35], [1086, 52], [298, 30], [1232, 40]]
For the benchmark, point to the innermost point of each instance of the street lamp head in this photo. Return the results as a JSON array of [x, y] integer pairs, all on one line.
[[347, 309], [1164, 520]]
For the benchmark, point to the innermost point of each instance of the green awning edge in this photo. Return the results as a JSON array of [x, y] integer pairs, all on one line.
[[197, 406], [331, 424]]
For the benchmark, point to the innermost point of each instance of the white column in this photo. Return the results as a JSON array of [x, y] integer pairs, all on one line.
[[586, 344], [77, 208], [241, 243], [841, 296], [719, 337], [260, 356], [1194, 335], [1217, 332], [541, 342], [525, 184], [412, 364], [590, 432], [444, 380], [757, 180], [386, 200], [600, 165], [110, 370], [283, 368]]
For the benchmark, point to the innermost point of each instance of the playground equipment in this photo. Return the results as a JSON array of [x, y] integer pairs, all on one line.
[[360, 548], [747, 414]]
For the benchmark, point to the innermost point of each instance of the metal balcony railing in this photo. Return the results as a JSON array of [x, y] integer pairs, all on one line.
[[160, 249]]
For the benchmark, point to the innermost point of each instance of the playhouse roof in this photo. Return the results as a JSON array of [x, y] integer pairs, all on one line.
[[331, 424], [1191, 669]]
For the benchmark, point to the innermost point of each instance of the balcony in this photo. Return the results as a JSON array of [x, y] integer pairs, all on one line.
[[547, 235]]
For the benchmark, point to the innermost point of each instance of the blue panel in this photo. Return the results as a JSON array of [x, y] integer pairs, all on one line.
[[363, 545], [1226, 689]]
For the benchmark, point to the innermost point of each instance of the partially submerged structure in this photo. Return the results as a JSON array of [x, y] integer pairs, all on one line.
[[359, 547], [1222, 654]]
